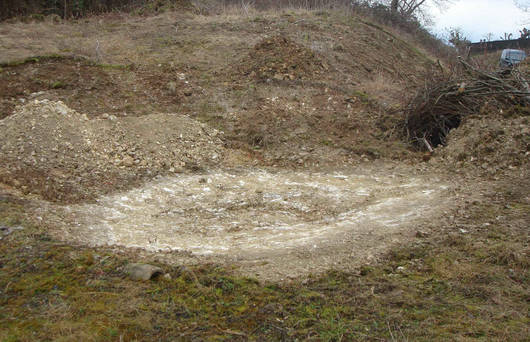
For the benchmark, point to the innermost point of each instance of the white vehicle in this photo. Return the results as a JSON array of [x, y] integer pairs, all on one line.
[[511, 57]]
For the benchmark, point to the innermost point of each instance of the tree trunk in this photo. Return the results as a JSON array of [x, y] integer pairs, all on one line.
[[394, 6]]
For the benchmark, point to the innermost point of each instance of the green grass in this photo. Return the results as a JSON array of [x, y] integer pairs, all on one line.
[[449, 286]]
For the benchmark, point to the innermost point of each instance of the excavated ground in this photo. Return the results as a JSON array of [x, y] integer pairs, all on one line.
[[153, 144], [258, 166], [278, 223]]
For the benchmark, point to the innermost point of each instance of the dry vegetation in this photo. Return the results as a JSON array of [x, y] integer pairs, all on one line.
[[448, 99], [290, 89]]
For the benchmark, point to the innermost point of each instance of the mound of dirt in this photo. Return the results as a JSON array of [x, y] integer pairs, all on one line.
[[490, 146], [280, 58], [55, 152]]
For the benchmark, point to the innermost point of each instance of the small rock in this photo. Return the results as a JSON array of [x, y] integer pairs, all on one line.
[[172, 87], [62, 110], [167, 276], [128, 161], [421, 234], [142, 271]]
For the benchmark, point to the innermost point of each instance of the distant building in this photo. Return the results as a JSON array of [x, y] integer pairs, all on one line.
[[497, 45]]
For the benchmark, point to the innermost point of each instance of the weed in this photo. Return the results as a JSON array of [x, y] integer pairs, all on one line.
[[57, 85]]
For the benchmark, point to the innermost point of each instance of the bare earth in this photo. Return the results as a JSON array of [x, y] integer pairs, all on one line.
[[276, 224]]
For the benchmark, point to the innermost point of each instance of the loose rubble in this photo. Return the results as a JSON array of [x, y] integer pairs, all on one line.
[[53, 151], [488, 145]]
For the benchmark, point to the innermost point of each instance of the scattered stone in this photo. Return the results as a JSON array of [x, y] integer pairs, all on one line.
[[73, 158], [142, 271], [167, 276], [172, 87]]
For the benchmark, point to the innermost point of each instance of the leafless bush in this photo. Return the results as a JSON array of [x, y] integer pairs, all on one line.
[[447, 99]]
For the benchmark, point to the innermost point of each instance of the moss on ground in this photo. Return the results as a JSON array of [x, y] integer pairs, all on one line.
[[471, 286]]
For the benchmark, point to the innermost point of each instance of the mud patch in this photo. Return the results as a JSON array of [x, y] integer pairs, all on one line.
[[257, 215]]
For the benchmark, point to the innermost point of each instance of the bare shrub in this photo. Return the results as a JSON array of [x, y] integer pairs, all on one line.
[[447, 99]]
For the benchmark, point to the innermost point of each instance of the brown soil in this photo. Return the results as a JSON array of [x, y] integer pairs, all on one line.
[[492, 145], [91, 88], [280, 58]]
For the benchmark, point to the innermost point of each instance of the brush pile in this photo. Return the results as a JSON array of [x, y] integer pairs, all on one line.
[[442, 105]]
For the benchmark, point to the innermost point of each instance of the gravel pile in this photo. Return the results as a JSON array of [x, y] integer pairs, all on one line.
[[51, 150]]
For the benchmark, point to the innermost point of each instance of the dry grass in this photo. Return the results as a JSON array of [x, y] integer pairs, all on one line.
[[385, 90], [208, 48]]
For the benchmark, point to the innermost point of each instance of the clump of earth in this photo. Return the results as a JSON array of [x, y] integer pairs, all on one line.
[[280, 58], [59, 154]]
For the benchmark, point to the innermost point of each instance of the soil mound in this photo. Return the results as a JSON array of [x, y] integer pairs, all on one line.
[[489, 145], [280, 58], [55, 152]]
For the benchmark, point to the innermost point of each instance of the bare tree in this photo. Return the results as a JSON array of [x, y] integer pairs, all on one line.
[[523, 4], [410, 8], [457, 38], [488, 37], [507, 36]]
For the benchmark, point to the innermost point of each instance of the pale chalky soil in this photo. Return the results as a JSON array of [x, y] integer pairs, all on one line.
[[257, 215]]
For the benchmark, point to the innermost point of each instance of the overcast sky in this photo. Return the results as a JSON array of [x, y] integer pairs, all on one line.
[[477, 18]]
